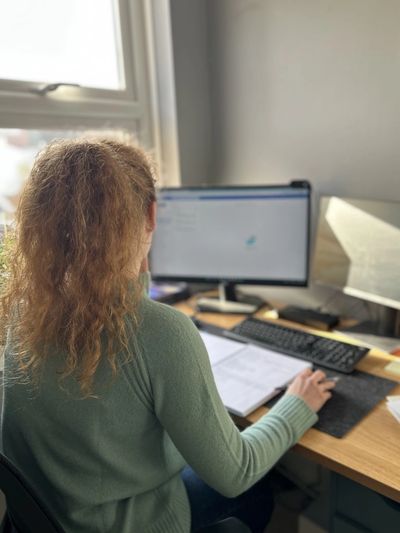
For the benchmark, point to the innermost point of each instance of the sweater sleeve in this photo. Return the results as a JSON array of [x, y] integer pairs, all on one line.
[[187, 403]]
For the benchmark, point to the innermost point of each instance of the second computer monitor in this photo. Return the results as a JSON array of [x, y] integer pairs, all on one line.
[[358, 248], [254, 234]]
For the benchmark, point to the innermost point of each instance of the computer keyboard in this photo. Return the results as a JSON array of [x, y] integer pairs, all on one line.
[[321, 351]]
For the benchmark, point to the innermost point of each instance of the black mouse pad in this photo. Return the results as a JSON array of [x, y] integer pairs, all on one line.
[[354, 396]]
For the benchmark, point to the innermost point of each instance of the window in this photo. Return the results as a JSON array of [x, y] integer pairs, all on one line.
[[18, 149], [74, 63], [70, 65], [75, 42]]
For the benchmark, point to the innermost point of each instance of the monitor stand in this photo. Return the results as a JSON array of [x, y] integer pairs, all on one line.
[[229, 301]]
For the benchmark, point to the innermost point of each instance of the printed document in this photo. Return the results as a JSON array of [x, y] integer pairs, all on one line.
[[246, 375]]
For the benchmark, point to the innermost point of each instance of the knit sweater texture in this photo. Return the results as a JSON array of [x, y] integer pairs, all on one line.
[[112, 463]]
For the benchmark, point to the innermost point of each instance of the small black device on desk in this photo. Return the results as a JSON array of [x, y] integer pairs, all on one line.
[[321, 351], [309, 317]]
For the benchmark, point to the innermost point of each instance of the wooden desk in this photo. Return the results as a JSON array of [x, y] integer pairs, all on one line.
[[370, 453]]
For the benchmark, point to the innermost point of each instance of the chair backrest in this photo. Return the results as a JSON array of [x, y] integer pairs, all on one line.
[[24, 509], [229, 525], [27, 514]]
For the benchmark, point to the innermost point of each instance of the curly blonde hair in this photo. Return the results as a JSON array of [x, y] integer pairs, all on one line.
[[80, 230]]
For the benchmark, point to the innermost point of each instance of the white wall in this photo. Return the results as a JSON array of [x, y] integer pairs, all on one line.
[[308, 89]]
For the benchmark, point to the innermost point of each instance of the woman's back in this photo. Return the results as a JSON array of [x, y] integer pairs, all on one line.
[[103, 463]]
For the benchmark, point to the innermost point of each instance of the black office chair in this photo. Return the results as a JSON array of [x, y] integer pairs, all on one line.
[[27, 514], [229, 525]]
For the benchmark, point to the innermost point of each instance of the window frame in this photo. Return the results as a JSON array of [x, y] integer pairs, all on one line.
[[146, 106], [68, 105], [123, 48]]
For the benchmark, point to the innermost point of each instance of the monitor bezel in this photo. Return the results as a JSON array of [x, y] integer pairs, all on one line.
[[302, 185]]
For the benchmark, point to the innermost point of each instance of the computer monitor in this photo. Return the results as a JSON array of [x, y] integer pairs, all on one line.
[[231, 235], [357, 249]]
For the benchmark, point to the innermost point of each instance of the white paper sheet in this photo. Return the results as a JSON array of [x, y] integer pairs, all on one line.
[[393, 404], [247, 375], [219, 348]]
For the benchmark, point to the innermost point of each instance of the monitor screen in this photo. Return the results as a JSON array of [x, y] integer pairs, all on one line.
[[358, 248], [254, 234]]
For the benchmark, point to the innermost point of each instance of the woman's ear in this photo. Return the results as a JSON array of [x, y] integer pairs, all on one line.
[[152, 216]]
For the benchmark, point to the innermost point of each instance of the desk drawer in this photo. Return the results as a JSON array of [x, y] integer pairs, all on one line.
[[365, 507], [341, 525]]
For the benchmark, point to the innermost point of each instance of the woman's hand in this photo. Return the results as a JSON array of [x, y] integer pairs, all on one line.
[[312, 387]]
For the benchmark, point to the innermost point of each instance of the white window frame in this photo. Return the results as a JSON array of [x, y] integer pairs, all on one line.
[[146, 46]]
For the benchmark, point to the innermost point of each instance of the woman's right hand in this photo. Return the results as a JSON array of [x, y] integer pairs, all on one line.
[[312, 387]]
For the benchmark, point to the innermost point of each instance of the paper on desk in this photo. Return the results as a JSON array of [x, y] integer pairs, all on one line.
[[393, 404], [393, 398], [393, 367], [219, 348], [395, 411], [249, 375]]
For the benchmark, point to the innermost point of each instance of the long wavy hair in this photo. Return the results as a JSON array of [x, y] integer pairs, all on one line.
[[74, 268]]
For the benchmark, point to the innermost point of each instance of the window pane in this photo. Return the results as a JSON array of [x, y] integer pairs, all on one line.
[[18, 149], [70, 41]]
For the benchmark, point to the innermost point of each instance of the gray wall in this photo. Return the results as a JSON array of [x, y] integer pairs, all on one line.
[[272, 90], [190, 28], [290, 89], [308, 89]]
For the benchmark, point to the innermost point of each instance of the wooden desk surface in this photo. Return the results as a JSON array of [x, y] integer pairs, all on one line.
[[370, 453]]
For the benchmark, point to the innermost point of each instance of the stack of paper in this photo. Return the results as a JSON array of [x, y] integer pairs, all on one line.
[[393, 404], [246, 375]]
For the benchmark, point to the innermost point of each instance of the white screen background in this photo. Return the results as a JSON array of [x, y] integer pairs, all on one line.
[[239, 238]]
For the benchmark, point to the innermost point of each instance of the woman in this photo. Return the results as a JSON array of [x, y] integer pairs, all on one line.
[[109, 396]]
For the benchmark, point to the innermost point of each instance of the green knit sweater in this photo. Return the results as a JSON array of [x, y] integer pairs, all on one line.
[[112, 463]]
